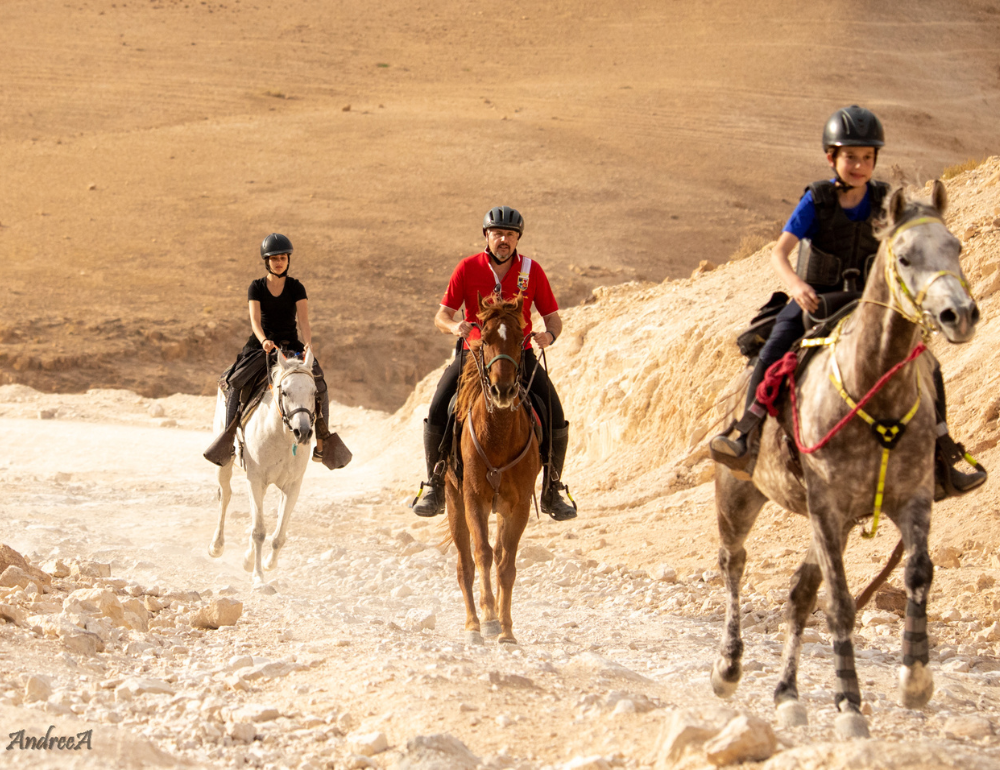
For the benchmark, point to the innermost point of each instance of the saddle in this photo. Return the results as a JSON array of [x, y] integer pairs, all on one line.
[[451, 439]]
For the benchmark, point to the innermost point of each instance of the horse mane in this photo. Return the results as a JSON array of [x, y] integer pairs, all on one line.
[[884, 225], [469, 384]]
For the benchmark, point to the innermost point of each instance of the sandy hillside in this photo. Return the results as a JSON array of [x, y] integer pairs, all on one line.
[[356, 657], [148, 146]]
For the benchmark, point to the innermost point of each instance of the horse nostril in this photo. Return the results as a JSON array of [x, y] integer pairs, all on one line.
[[974, 315], [948, 317]]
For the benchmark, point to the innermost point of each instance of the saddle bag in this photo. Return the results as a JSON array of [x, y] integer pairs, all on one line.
[[752, 339]]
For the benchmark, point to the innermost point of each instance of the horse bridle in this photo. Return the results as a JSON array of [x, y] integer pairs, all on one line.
[[484, 378], [900, 292], [287, 416]]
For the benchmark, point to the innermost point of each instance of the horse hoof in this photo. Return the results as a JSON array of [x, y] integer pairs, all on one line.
[[791, 713], [491, 628], [248, 562], [916, 685], [215, 551], [725, 678], [474, 638], [507, 639], [851, 725], [270, 563]]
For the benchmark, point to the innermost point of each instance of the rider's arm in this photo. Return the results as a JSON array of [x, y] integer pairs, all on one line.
[[258, 330], [302, 314], [553, 328], [444, 320], [799, 290]]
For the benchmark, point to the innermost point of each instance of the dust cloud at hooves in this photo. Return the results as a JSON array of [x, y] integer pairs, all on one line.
[[655, 152]]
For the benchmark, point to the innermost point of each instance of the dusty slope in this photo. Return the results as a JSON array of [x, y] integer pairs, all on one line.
[[147, 147], [608, 652]]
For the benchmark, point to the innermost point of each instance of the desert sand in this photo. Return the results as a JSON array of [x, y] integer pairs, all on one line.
[[654, 150]]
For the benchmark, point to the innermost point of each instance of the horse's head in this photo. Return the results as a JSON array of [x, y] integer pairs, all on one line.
[[295, 393], [923, 269], [501, 343]]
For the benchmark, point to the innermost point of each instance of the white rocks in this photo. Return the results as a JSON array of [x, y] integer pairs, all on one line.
[[594, 664], [596, 762], [885, 755], [238, 662], [134, 686], [687, 730], [401, 592], [437, 752], [368, 744], [990, 633], [871, 618], [745, 739], [533, 553], [244, 732], [218, 613], [272, 669], [664, 573], [968, 726], [418, 619], [255, 712], [951, 616], [15, 577], [37, 688]]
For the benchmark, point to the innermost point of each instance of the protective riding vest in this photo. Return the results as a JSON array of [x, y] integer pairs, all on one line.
[[839, 244]]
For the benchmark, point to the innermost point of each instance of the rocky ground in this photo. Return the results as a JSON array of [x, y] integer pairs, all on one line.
[[358, 658]]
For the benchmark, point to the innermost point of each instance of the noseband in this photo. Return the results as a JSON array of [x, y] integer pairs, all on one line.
[[287, 416], [484, 376], [903, 301]]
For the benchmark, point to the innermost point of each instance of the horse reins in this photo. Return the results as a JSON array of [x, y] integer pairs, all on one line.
[[887, 432], [287, 416]]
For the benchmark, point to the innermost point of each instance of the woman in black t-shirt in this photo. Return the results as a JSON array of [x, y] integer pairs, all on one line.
[[279, 316]]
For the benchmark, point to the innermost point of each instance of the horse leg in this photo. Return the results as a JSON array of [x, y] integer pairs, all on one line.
[[225, 476], [830, 538], [509, 530], [459, 527], [916, 684], [252, 558], [737, 504], [801, 602], [285, 505], [477, 517]]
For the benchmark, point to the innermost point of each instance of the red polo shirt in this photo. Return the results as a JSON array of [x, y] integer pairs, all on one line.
[[475, 274]]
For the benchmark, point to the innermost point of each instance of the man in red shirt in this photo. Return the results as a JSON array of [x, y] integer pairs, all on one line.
[[498, 269]]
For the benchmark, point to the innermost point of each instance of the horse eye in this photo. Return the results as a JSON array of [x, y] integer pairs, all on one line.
[[904, 261]]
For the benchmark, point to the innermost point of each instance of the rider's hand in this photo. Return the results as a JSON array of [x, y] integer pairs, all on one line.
[[804, 295], [462, 329], [268, 346], [543, 339]]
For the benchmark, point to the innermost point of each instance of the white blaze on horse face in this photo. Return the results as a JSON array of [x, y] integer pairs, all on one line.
[[502, 331]]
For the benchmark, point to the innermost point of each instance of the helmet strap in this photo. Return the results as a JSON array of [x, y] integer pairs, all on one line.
[[288, 264], [495, 261]]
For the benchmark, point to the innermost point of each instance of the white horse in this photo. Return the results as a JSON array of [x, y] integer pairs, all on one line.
[[277, 443]]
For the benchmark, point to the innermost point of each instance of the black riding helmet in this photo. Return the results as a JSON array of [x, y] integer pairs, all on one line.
[[853, 126], [503, 218], [276, 243]]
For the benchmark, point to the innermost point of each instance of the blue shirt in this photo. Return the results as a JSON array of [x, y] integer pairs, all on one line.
[[802, 223]]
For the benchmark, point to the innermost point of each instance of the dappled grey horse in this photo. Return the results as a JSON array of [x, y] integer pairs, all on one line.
[[817, 460], [277, 442]]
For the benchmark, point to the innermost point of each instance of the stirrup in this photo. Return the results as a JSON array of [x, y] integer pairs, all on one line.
[[552, 500], [948, 453]]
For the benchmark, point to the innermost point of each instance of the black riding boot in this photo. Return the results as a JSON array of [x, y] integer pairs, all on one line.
[[552, 501], [949, 481], [221, 450], [431, 502], [732, 452]]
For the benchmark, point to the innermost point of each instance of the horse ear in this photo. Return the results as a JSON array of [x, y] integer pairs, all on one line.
[[519, 302], [476, 343], [939, 197], [897, 203], [479, 301], [282, 361]]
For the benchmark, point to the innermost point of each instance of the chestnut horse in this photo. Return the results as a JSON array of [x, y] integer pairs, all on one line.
[[500, 461]]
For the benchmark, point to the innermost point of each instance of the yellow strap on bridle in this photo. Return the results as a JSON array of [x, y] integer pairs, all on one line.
[[901, 294]]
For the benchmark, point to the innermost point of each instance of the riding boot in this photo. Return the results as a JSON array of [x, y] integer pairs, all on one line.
[[322, 426], [733, 452], [431, 502], [221, 450], [949, 481], [552, 501]]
